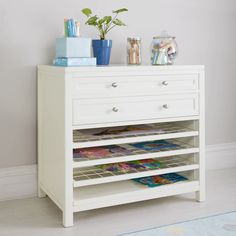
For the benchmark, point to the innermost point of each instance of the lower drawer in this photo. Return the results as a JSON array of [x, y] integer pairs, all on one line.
[[92, 111]]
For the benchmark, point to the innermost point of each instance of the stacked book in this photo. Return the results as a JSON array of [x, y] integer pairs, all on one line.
[[158, 180], [73, 51]]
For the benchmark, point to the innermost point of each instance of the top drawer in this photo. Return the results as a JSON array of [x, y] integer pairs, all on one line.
[[121, 86]]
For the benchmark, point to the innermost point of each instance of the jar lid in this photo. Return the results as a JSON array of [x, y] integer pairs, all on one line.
[[162, 37], [163, 34], [134, 38]]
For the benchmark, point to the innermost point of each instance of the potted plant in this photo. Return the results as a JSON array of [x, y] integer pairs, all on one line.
[[102, 47]]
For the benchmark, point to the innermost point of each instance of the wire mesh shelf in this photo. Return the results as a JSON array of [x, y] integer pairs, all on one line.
[[125, 150], [102, 134], [96, 172]]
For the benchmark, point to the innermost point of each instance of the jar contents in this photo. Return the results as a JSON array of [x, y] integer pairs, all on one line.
[[134, 51], [163, 50]]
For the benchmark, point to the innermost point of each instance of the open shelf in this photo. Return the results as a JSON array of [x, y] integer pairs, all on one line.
[[134, 153], [95, 137], [110, 194], [96, 175]]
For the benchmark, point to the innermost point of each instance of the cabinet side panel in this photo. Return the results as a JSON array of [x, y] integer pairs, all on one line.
[[51, 136], [201, 194]]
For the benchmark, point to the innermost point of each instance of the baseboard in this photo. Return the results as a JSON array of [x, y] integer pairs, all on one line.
[[21, 181], [18, 182]]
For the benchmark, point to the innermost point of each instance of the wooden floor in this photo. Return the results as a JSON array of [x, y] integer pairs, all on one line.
[[33, 217]]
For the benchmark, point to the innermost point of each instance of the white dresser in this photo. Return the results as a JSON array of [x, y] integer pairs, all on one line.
[[72, 101]]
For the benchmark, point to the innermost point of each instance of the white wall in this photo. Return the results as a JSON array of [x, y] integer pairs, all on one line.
[[205, 31]]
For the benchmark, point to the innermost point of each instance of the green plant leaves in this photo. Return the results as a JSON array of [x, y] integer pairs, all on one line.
[[104, 24], [118, 22], [105, 20], [108, 19], [92, 21], [87, 11], [120, 10]]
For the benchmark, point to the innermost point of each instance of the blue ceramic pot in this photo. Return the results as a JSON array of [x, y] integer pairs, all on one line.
[[102, 51]]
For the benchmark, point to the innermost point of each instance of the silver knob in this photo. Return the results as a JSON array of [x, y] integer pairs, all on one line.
[[114, 85], [165, 83], [165, 106], [115, 109]]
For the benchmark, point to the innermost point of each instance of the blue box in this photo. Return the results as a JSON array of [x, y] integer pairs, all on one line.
[[73, 47], [75, 61]]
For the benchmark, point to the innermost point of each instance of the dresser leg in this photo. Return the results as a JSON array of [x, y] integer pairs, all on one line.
[[68, 219], [201, 196], [41, 193]]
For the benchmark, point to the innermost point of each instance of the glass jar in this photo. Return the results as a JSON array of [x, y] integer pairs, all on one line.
[[164, 50], [134, 51]]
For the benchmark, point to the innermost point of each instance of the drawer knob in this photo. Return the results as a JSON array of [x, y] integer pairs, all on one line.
[[165, 106], [114, 85], [165, 83], [115, 109]]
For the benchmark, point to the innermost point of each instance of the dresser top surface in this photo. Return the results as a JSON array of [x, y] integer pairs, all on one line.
[[119, 67]]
